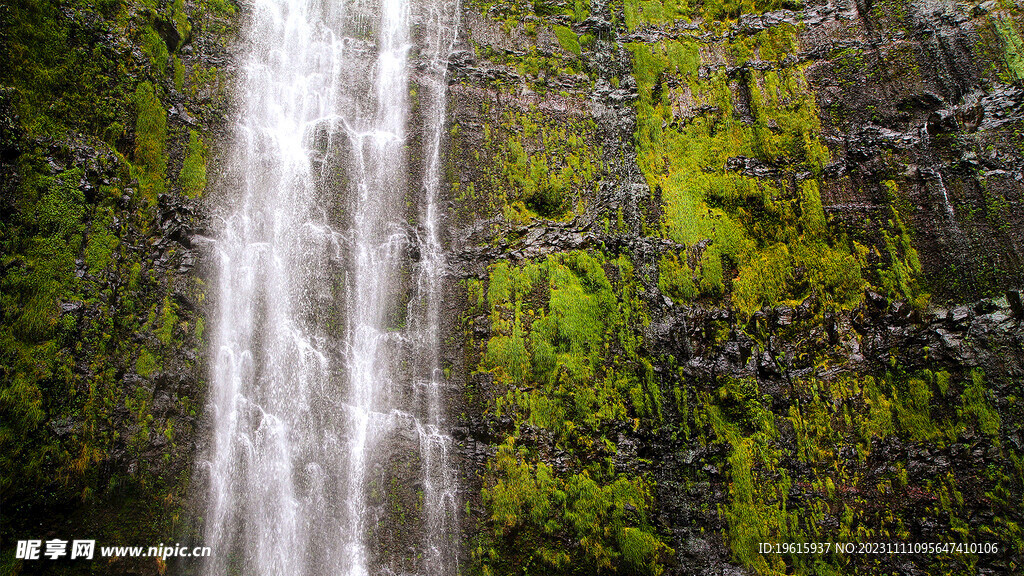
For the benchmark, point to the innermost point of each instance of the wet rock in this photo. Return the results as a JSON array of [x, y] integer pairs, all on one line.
[[942, 122], [1013, 297], [984, 8], [959, 315], [783, 316]]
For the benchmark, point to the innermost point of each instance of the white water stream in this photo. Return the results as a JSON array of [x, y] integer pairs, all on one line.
[[325, 397]]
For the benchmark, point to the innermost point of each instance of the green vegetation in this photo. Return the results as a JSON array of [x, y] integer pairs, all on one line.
[[765, 231], [513, 12], [540, 68], [153, 45], [1012, 44], [553, 360], [534, 166], [730, 142], [639, 12], [675, 278], [578, 525], [193, 170], [537, 68], [901, 279], [150, 140], [85, 319], [802, 485], [976, 408], [564, 354], [567, 39], [770, 240]]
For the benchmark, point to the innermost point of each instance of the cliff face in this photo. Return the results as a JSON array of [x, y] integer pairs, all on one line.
[[721, 274], [107, 113], [732, 273]]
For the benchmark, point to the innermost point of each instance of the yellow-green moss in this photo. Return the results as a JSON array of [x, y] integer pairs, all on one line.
[[530, 502], [168, 319], [101, 244], [150, 140], [552, 359], [193, 169], [1013, 45], [675, 278], [568, 39], [153, 45], [537, 166], [637, 12], [761, 230], [564, 355], [975, 406], [179, 73], [826, 419], [146, 363], [764, 280]]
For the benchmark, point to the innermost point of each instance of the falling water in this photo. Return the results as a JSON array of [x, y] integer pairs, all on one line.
[[329, 454]]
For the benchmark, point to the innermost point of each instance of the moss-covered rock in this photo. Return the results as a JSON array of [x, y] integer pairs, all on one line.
[[100, 329], [814, 214]]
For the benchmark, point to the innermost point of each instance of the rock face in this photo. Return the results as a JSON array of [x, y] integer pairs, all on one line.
[[108, 113], [734, 273], [720, 274]]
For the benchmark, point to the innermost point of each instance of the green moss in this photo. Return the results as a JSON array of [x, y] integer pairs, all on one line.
[[168, 319], [912, 403], [793, 479], [64, 79], [101, 245], [712, 275], [833, 273], [879, 421], [756, 503], [564, 354], [768, 45], [73, 286], [222, 7], [560, 348], [180, 20], [974, 406], [675, 278], [596, 516], [848, 65], [761, 234], [942, 381], [537, 166], [812, 216], [146, 363], [202, 78], [193, 169], [639, 12], [901, 278], [581, 10], [179, 73], [1013, 45], [153, 45], [568, 39], [150, 140], [763, 281], [46, 272]]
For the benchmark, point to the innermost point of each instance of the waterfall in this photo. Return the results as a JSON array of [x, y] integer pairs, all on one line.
[[328, 452]]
